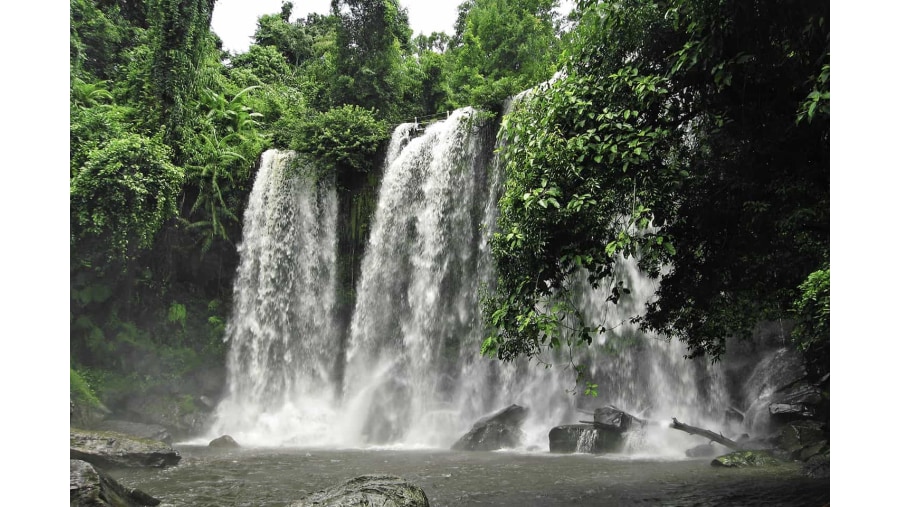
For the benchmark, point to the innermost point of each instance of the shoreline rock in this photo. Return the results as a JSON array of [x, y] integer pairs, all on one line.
[[90, 486], [110, 449]]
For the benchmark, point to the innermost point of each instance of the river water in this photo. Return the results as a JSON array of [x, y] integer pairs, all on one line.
[[270, 477]]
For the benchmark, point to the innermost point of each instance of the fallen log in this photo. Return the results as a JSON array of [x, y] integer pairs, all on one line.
[[715, 437]]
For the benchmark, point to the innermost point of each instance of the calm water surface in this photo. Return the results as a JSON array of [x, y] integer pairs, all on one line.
[[276, 477]]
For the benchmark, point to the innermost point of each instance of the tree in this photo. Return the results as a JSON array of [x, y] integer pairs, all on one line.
[[370, 40], [501, 48], [123, 195], [679, 134]]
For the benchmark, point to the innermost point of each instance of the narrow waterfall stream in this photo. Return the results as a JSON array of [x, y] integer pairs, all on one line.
[[281, 333], [413, 376]]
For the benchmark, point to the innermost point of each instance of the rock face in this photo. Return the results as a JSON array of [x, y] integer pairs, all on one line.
[[140, 430], [496, 431], [818, 467], [742, 459], [585, 438], [380, 490], [89, 486], [802, 439], [116, 450], [224, 442], [182, 414]]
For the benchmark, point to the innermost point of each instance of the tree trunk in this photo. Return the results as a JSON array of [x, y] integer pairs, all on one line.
[[715, 437]]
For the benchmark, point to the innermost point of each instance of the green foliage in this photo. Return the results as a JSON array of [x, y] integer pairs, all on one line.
[[265, 62], [221, 155], [370, 39], [179, 32], [124, 193], [81, 391], [812, 334], [343, 137], [500, 49], [652, 145]]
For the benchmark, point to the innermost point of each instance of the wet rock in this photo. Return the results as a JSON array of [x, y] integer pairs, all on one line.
[[613, 419], [182, 414], [117, 450], [741, 459], [224, 442], [818, 467], [381, 490], [496, 431], [802, 439], [140, 430], [91, 487], [585, 438]]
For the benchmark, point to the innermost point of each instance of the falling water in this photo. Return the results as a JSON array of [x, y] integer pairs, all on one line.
[[413, 375], [281, 333]]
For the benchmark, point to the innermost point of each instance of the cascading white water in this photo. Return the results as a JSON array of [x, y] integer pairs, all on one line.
[[413, 375], [416, 304], [281, 332]]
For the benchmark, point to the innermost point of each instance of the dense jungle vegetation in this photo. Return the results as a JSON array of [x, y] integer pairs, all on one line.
[[691, 133]]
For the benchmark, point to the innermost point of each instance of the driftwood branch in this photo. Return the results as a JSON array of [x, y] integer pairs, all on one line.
[[715, 437]]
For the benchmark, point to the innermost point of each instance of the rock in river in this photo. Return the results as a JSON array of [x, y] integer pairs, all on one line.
[[224, 442], [380, 490], [585, 438], [496, 431]]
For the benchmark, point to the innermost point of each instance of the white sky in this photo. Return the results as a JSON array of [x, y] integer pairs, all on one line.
[[235, 20]]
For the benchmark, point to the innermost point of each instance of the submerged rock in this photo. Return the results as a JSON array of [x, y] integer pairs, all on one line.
[[89, 486], [740, 459], [497, 431], [380, 490], [225, 442], [118, 450], [585, 438]]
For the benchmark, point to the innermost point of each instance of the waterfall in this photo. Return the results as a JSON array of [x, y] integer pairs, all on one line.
[[412, 373], [281, 333]]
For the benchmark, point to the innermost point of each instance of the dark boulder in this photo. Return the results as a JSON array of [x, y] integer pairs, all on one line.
[[612, 419], [742, 459], [818, 467], [381, 490], [140, 430], [795, 402], [224, 442], [585, 438], [117, 450], [91, 487], [803, 439], [497, 431]]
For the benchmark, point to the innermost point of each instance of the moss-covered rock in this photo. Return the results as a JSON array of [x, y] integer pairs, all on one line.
[[741, 459], [381, 490]]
